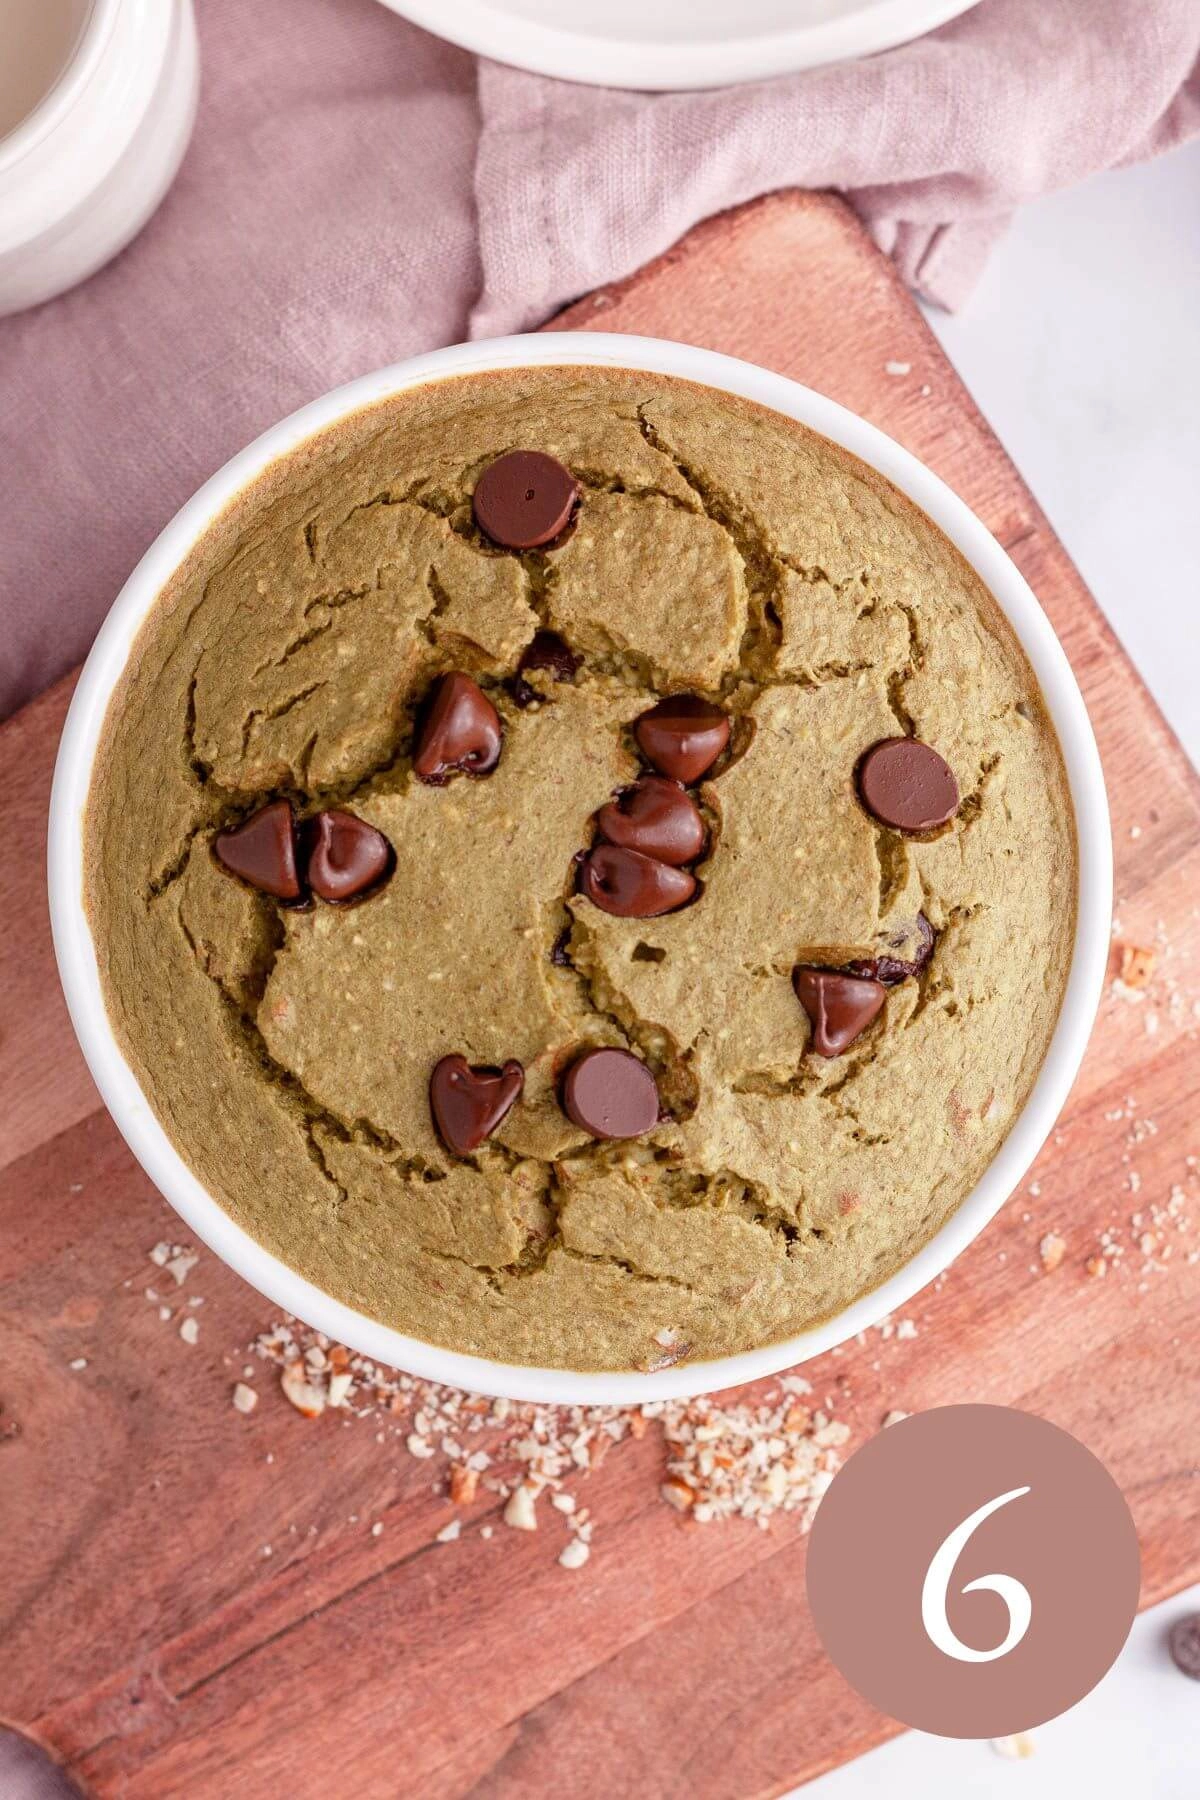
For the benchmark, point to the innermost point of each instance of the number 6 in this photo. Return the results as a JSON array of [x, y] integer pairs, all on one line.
[[1014, 1593]]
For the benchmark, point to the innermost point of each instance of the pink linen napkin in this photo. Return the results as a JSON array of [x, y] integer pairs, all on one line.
[[357, 190]]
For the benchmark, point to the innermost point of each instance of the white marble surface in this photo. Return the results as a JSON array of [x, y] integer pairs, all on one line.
[[1135, 1737], [1082, 347]]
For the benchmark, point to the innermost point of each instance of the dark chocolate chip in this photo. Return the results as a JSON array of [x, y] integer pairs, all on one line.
[[633, 886], [907, 785], [839, 1007], [657, 817], [683, 735], [468, 1103], [1184, 1639], [263, 851], [559, 951], [460, 730], [346, 857], [545, 650], [611, 1094], [524, 499], [893, 969]]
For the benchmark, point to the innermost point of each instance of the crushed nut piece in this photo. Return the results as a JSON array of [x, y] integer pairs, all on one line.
[[521, 1510], [463, 1483], [1137, 965], [245, 1399], [1017, 1747], [303, 1394], [1052, 1249]]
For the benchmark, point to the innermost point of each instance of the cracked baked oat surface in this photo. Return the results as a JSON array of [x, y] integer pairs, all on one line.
[[720, 549]]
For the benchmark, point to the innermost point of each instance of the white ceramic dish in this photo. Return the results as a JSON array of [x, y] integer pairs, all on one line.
[[82, 174], [676, 43], [128, 1105]]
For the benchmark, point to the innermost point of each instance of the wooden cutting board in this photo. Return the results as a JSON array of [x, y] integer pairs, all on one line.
[[147, 1636]]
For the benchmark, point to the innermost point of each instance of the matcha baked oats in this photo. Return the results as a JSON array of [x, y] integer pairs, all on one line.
[[581, 869]]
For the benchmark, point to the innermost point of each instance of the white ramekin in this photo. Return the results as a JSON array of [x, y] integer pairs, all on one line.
[[81, 175], [125, 1099]]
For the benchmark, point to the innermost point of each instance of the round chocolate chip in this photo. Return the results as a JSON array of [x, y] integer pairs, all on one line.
[[610, 1094], [469, 1103], [545, 650], [657, 817], [524, 499], [1184, 1640], [631, 885], [893, 969], [907, 785], [839, 1007], [683, 735], [460, 730], [346, 856], [263, 851]]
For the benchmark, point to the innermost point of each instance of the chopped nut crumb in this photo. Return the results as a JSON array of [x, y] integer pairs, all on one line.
[[303, 1394], [1137, 965], [1052, 1249], [245, 1399], [463, 1484], [449, 1532], [189, 1329], [521, 1510], [1017, 1747], [574, 1554]]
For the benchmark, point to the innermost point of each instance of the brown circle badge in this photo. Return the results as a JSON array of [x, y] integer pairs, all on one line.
[[973, 1571]]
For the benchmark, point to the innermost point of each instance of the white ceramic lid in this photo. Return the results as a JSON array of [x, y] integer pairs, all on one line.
[[656, 44]]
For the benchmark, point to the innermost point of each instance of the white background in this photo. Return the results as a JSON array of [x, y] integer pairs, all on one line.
[[1082, 347]]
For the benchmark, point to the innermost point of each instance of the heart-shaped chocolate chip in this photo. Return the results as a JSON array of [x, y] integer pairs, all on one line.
[[346, 856], [683, 735], [631, 885], [468, 1103], [263, 851], [609, 1093], [460, 730], [657, 817], [839, 1007], [524, 499], [907, 785]]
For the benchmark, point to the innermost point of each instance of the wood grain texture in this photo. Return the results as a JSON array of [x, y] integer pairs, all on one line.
[[147, 1635]]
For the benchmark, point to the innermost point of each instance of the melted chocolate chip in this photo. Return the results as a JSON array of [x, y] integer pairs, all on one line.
[[469, 1103], [346, 857], [907, 785], [546, 650], [263, 851], [839, 1007], [559, 953], [683, 736], [893, 969], [460, 730], [633, 886], [611, 1094], [524, 499], [657, 817]]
